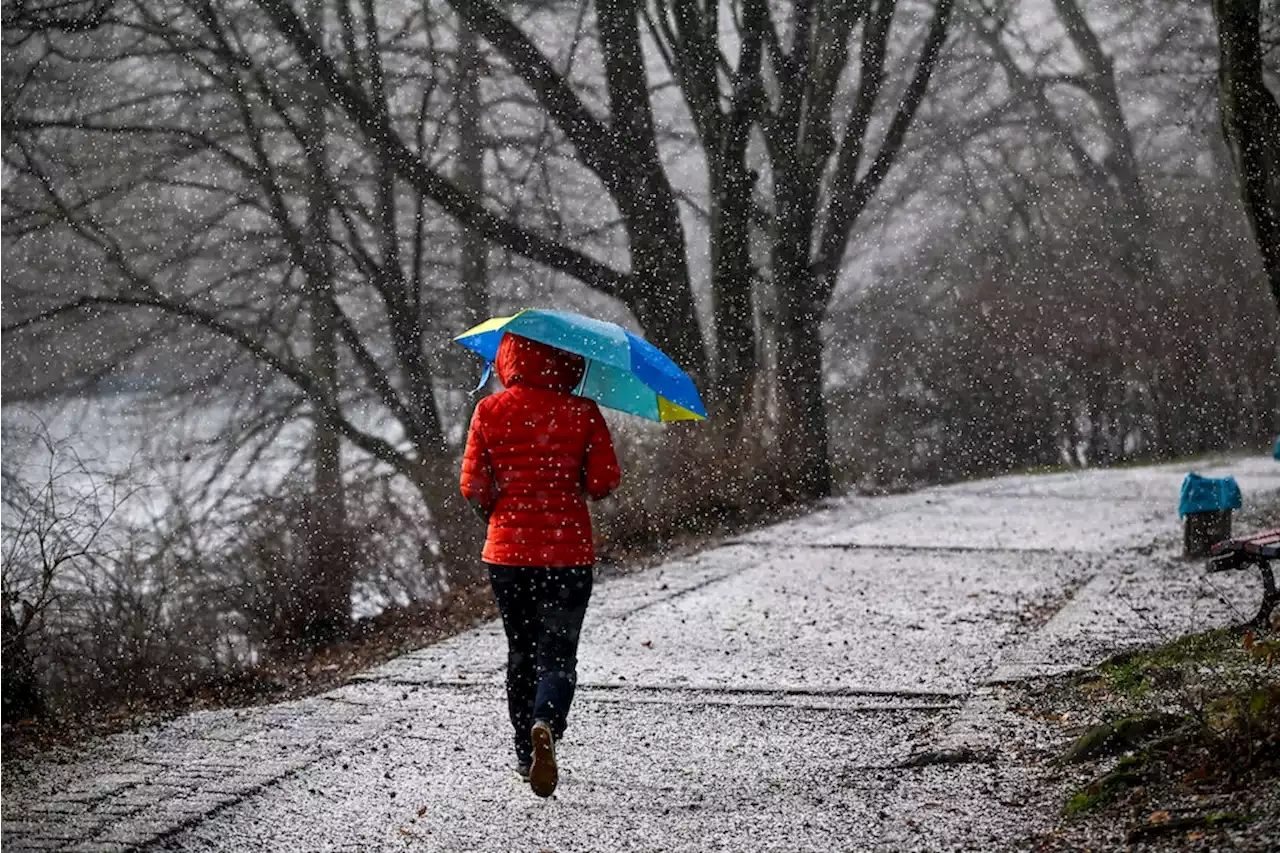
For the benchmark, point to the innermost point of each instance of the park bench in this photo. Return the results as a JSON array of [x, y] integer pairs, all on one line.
[[1256, 550]]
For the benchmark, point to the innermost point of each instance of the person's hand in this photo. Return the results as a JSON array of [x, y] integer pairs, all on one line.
[[480, 511]]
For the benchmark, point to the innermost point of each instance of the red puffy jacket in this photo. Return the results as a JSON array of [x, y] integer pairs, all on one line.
[[534, 454]]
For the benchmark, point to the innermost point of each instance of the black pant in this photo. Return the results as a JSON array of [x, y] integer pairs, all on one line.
[[542, 611]]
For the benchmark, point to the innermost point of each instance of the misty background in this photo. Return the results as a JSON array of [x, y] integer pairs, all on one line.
[[894, 243]]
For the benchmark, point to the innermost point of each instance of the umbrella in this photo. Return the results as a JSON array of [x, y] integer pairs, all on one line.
[[624, 371]]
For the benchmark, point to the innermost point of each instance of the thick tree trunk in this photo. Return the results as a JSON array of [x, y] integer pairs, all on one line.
[[659, 293], [459, 533], [324, 603], [1251, 125], [802, 415], [801, 304], [474, 267], [733, 308], [660, 296]]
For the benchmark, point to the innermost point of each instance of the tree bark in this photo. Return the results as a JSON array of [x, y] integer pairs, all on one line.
[[687, 35], [474, 267], [1251, 125], [802, 416], [659, 292], [325, 601], [458, 526], [802, 427], [812, 229], [732, 303]]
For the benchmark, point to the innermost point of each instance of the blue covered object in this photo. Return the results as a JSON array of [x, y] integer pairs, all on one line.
[[1276, 450], [1208, 494]]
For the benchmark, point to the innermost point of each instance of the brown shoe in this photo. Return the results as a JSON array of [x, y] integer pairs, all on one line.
[[543, 774]]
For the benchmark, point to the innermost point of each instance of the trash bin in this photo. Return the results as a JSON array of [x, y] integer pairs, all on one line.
[[1205, 506]]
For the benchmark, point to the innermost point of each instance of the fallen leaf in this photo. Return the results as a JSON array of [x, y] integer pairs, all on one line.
[[1194, 836], [1160, 817]]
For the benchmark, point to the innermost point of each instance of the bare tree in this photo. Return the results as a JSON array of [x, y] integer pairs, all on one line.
[[287, 228], [58, 518], [995, 364], [1035, 79], [813, 214], [1064, 91], [1251, 123], [474, 266], [323, 603], [813, 230], [1024, 227]]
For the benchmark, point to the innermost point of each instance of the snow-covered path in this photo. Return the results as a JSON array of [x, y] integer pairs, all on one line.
[[767, 694]]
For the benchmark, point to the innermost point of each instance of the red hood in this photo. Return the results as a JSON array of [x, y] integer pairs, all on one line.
[[533, 363]]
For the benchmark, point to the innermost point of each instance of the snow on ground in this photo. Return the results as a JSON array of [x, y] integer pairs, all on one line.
[[763, 695]]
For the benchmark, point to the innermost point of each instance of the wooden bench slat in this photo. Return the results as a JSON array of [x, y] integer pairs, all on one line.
[[1266, 544], [1258, 549]]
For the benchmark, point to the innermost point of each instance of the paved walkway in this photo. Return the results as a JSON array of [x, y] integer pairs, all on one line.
[[767, 694]]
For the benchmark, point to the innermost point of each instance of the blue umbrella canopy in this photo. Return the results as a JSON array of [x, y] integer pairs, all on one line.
[[624, 371]]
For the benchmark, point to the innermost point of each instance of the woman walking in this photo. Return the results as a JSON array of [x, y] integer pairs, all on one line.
[[535, 453]]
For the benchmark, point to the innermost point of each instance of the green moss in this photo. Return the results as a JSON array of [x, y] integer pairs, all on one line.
[[1123, 734], [1133, 674], [1125, 775], [1224, 818], [1129, 678], [1093, 742]]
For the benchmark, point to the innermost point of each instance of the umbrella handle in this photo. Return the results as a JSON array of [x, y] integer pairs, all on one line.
[[582, 383], [484, 377]]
